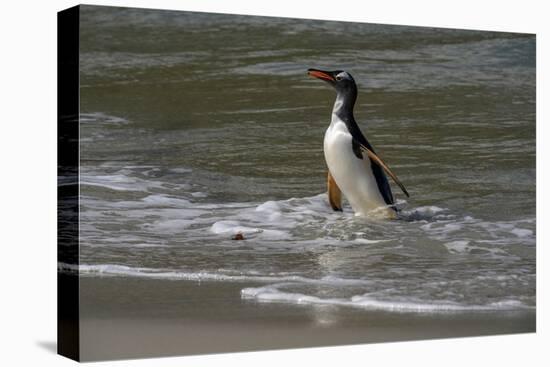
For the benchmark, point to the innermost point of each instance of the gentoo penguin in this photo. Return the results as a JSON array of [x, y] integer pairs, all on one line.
[[354, 168]]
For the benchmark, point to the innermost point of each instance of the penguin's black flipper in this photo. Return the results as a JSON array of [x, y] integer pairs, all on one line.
[[379, 162]]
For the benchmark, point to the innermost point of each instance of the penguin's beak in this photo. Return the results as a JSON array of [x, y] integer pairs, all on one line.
[[320, 74]]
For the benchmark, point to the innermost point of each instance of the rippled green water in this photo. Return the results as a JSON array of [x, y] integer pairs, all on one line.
[[197, 126]]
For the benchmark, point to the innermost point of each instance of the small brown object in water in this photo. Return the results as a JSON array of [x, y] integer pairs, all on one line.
[[238, 236]]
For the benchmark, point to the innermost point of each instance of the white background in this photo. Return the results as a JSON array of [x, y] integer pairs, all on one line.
[[28, 179]]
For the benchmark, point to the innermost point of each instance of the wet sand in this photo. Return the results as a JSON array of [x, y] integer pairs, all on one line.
[[123, 318]]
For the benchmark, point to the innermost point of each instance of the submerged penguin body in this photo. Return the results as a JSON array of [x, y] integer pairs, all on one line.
[[353, 176]]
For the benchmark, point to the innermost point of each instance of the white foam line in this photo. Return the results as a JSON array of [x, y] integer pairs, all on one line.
[[107, 186], [122, 270], [272, 294]]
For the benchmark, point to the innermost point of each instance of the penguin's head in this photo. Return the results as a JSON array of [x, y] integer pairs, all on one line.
[[340, 80]]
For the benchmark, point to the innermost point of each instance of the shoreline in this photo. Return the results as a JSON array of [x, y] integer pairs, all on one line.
[[125, 318]]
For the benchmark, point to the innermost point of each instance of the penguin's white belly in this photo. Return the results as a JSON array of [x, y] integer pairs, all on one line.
[[353, 176]]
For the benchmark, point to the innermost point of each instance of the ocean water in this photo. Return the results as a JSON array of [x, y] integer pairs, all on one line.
[[196, 127]]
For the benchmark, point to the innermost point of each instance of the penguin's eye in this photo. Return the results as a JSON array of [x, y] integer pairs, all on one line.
[[338, 78]]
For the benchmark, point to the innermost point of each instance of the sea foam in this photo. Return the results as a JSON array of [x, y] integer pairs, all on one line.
[[273, 291]]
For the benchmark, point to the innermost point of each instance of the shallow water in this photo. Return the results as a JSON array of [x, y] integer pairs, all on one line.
[[195, 127]]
